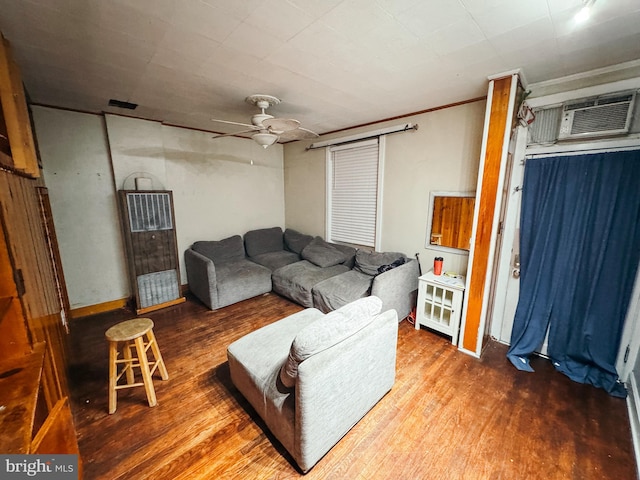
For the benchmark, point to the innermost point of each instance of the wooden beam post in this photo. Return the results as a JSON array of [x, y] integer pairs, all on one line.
[[498, 125], [16, 114]]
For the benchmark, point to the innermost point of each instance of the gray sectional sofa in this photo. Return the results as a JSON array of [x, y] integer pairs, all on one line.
[[302, 268]]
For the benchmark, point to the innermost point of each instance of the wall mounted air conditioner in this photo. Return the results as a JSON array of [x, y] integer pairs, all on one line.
[[597, 116]]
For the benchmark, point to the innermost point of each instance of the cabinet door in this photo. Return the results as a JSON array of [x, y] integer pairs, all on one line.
[[439, 309]]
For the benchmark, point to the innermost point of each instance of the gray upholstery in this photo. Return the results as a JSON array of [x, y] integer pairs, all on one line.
[[322, 334], [322, 254], [334, 292], [369, 262], [223, 283], [266, 247], [296, 241], [307, 270], [335, 386], [230, 248], [396, 287], [350, 252], [295, 281], [275, 260], [263, 240]]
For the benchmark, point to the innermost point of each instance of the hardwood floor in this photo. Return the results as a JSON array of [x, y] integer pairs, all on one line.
[[449, 415]]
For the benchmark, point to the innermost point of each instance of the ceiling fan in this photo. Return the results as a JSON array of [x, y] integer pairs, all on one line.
[[266, 129]]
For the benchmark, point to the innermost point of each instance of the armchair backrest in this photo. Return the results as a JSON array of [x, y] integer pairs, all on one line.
[[231, 248], [264, 240], [338, 386]]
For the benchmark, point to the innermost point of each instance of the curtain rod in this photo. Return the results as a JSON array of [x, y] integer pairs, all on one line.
[[405, 127]]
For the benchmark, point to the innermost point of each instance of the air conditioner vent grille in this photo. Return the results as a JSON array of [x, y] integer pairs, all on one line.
[[597, 119], [545, 127], [597, 116], [149, 211], [615, 99], [577, 106]]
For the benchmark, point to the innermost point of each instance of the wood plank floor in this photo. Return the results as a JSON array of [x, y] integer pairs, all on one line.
[[448, 416]]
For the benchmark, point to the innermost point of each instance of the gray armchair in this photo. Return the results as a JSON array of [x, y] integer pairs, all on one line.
[[311, 377], [219, 274]]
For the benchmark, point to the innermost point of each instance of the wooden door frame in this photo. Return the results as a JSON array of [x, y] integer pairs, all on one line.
[[54, 252]]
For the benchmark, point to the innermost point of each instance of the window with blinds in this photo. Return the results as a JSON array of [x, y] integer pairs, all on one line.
[[353, 193]]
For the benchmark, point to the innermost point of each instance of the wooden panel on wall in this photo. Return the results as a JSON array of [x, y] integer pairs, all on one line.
[[14, 335], [488, 194], [32, 333], [40, 301], [16, 114]]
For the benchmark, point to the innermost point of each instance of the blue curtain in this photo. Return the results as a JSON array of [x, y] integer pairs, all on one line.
[[579, 252]]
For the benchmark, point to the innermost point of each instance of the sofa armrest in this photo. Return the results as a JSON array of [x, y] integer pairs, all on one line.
[[201, 277], [397, 288], [335, 388]]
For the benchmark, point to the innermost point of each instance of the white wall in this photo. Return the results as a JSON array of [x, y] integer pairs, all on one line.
[[443, 154], [217, 190], [77, 172]]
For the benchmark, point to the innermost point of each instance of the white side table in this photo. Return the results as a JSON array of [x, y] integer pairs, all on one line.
[[440, 304]]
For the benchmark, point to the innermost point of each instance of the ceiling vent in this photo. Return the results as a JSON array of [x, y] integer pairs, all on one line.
[[597, 116]]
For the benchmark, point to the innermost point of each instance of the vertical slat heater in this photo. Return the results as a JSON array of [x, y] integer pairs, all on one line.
[[152, 254]]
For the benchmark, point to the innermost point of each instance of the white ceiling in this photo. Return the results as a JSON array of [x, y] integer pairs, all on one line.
[[334, 63]]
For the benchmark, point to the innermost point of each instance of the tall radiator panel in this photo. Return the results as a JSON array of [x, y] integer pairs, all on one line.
[[152, 254]]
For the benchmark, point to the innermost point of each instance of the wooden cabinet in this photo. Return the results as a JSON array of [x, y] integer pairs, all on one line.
[[152, 254], [440, 304], [33, 384]]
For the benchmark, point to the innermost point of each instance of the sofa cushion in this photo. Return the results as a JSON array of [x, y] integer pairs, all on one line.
[[336, 292], [296, 241], [369, 262], [322, 254], [349, 251], [224, 250], [263, 240], [276, 260], [241, 279], [296, 280], [325, 332]]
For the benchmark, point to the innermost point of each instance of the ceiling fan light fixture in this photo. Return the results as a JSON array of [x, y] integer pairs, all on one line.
[[264, 139]]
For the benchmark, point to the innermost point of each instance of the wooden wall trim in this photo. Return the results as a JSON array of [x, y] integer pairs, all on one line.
[[499, 121], [99, 308], [16, 114], [112, 305]]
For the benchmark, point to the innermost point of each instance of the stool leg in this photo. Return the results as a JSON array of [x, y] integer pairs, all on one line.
[[113, 374], [158, 356], [146, 374], [126, 351]]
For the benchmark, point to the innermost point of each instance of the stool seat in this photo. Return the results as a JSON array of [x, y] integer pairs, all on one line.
[[126, 338], [129, 330]]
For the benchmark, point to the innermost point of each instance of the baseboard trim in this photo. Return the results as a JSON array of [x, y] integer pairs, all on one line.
[[115, 305], [633, 403], [99, 308]]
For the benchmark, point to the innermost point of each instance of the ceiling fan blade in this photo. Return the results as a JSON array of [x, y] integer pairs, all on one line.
[[252, 127], [234, 133], [281, 124], [298, 134]]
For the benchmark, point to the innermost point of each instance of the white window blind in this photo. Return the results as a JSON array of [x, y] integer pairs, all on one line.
[[353, 193]]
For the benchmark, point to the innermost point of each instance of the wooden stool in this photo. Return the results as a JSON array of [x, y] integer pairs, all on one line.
[[131, 335]]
